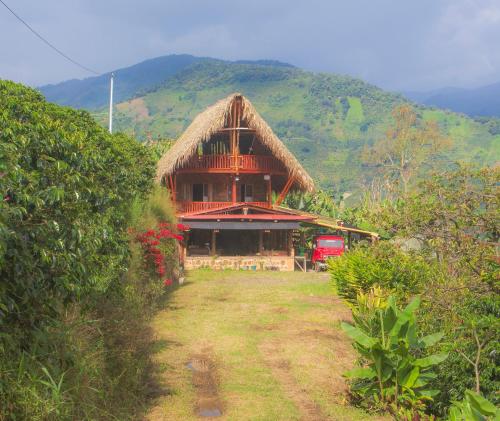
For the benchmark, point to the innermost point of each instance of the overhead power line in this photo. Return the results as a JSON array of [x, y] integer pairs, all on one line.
[[47, 42]]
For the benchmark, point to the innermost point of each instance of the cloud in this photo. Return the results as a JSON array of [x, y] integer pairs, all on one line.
[[394, 44]]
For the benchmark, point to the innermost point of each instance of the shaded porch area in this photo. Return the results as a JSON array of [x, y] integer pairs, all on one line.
[[239, 242]]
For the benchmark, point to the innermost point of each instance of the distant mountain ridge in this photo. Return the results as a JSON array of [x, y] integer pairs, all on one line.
[[93, 92], [325, 119], [483, 101]]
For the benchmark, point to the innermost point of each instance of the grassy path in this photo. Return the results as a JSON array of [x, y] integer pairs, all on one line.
[[257, 346]]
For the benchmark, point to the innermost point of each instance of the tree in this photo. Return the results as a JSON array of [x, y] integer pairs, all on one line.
[[408, 146]]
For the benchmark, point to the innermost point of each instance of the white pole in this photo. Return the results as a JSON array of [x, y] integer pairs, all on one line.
[[111, 103]]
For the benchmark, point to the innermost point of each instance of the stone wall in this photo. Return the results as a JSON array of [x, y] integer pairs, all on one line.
[[278, 263]]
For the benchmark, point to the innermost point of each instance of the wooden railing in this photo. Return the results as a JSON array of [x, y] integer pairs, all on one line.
[[192, 207], [229, 163]]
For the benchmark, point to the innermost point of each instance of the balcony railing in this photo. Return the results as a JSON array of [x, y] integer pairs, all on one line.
[[191, 207], [230, 163]]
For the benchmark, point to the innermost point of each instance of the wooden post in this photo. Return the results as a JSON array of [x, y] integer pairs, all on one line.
[[233, 190], [261, 242], [269, 192], [290, 243], [284, 192], [174, 186], [349, 240], [213, 250]]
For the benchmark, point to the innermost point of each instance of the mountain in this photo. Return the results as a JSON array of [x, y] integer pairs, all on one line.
[[325, 119], [93, 92], [483, 101]]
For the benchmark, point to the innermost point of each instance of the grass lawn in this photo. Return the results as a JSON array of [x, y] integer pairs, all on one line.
[[254, 345]]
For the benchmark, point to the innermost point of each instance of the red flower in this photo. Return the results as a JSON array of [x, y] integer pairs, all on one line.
[[182, 227], [167, 282]]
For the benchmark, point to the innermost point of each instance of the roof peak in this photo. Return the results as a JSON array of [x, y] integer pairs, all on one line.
[[213, 119]]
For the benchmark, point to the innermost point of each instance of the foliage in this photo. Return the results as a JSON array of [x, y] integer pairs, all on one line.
[[448, 230], [474, 407], [383, 264], [159, 147], [471, 323], [396, 368], [73, 301], [60, 170], [408, 147], [454, 214], [319, 203]]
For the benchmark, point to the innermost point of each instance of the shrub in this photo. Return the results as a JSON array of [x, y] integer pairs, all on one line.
[[73, 341], [385, 265], [396, 369]]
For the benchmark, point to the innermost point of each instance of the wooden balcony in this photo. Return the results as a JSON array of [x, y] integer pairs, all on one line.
[[251, 164], [192, 207]]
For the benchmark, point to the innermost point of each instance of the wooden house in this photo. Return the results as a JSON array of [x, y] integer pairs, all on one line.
[[228, 174]]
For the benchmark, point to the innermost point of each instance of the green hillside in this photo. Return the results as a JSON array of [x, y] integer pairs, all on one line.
[[325, 119]]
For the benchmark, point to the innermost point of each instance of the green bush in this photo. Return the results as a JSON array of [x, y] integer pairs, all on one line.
[[385, 265], [73, 301], [66, 188], [469, 317]]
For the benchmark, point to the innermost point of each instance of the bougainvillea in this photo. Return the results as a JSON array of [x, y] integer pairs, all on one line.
[[155, 243]]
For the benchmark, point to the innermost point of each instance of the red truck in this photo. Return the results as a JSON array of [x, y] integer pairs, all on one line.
[[325, 246]]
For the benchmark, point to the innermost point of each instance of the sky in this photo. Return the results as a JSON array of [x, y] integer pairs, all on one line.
[[399, 45]]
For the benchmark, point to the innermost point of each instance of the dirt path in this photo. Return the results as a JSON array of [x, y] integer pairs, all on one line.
[[253, 346]]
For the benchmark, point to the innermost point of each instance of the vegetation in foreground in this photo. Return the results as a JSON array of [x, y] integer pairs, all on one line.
[[443, 247], [76, 290]]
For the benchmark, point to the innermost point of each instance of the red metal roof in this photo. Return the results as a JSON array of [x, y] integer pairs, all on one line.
[[251, 217]]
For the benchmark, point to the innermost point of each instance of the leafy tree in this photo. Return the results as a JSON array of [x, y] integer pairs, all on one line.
[[409, 144]]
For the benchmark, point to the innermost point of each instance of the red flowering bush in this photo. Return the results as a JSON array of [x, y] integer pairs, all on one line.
[[157, 244]]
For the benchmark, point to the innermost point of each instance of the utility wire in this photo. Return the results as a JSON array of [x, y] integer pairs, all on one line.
[[47, 42]]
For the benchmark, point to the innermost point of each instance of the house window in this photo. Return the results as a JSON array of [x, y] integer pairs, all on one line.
[[200, 192], [246, 193]]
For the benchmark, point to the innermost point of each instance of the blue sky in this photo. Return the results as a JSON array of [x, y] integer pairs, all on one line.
[[396, 44]]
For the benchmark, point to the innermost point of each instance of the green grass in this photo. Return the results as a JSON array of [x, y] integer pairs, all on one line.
[[274, 338]]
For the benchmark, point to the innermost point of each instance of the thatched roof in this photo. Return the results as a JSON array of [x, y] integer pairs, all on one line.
[[211, 121]]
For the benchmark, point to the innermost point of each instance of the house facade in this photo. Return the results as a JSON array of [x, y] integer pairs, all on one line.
[[227, 174]]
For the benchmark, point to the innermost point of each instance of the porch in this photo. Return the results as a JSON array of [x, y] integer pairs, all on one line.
[[225, 163]]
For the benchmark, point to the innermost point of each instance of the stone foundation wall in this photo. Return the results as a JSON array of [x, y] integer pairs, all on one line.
[[278, 263]]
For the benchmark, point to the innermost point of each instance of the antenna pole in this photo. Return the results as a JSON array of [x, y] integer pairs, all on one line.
[[111, 103]]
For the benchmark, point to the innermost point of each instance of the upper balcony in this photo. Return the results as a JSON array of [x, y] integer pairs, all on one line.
[[249, 164]]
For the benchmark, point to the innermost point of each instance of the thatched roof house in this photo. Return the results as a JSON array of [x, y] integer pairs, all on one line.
[[214, 119]]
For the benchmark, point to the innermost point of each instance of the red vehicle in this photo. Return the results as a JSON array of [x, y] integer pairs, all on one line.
[[325, 246]]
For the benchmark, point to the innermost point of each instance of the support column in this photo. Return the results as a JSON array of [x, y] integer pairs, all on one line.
[[269, 192], [233, 190], [261, 242], [290, 243], [213, 245]]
